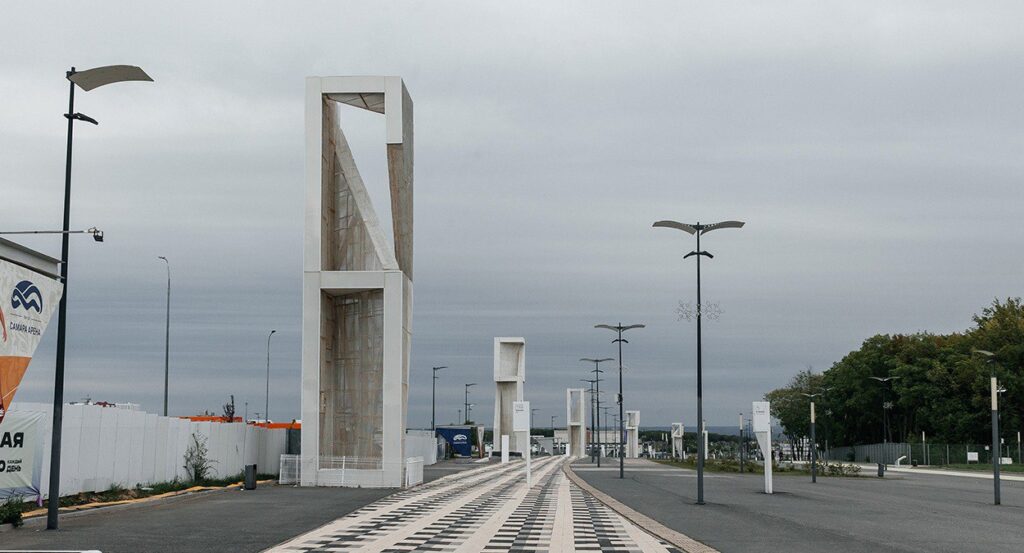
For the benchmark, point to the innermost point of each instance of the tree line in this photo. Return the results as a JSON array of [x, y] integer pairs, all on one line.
[[939, 385]]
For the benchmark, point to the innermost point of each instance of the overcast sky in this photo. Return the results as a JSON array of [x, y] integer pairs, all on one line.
[[873, 148]]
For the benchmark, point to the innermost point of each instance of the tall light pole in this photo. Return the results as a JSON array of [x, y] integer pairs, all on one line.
[[553, 417], [86, 80], [167, 334], [433, 393], [619, 329], [467, 400], [593, 411], [597, 395], [741, 443], [604, 410], [885, 420], [996, 446], [814, 446], [699, 229], [266, 407], [532, 411]]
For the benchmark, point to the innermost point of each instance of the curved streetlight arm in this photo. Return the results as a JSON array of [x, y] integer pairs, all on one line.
[[676, 225], [108, 74]]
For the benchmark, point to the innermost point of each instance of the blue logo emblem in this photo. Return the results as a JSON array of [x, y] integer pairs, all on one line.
[[27, 295]]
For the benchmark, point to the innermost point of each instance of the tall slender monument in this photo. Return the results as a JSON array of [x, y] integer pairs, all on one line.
[[356, 292], [509, 379]]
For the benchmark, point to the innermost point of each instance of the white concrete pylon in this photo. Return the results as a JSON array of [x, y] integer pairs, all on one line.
[[357, 291], [509, 378], [678, 431], [632, 434], [576, 425]]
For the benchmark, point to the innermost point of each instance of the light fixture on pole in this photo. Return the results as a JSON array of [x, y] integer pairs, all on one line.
[[814, 443], [266, 408], [885, 412], [593, 412], [167, 334], [433, 393], [619, 329], [698, 230], [741, 443], [86, 80], [597, 394], [996, 446], [467, 400], [96, 233]]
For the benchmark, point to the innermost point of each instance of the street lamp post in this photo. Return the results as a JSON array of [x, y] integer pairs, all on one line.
[[433, 393], [996, 446], [266, 407], [593, 411], [741, 443], [885, 422], [467, 400], [814, 443], [698, 229], [167, 334], [604, 410], [86, 80], [619, 329], [597, 394], [532, 411]]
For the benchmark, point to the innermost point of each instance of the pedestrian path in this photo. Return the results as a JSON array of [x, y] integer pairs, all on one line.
[[487, 510]]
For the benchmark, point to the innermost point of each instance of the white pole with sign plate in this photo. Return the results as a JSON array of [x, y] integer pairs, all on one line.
[[763, 432], [521, 423]]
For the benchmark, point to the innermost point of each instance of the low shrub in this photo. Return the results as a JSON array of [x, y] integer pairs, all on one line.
[[10, 510]]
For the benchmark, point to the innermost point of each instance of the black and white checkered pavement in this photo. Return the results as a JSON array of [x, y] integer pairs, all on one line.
[[485, 510]]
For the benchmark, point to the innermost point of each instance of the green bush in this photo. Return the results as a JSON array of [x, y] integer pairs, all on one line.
[[10, 510]]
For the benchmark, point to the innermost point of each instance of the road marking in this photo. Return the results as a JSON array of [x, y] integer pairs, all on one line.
[[491, 511]]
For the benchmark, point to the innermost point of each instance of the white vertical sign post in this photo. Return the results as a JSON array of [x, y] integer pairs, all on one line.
[[504, 449], [763, 433], [521, 423]]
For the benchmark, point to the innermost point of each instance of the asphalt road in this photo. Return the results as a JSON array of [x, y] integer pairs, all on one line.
[[900, 513], [236, 521]]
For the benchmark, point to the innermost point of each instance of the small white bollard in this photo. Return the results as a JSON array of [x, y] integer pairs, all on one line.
[[504, 449]]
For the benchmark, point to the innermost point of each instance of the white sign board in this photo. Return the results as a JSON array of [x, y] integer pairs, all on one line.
[[521, 416], [763, 432], [762, 416], [972, 456], [20, 453]]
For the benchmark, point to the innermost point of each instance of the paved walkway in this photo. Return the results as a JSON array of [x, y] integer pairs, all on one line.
[[488, 510], [906, 511]]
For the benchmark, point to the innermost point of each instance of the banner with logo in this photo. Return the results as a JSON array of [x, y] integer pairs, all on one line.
[[21, 453], [458, 438], [27, 300]]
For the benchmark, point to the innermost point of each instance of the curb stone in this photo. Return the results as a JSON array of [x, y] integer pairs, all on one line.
[[682, 541]]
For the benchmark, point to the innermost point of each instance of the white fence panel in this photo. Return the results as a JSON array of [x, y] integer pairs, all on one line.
[[105, 446], [71, 438], [105, 451], [89, 447]]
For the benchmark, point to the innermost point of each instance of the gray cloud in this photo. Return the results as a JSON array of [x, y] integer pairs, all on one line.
[[873, 150]]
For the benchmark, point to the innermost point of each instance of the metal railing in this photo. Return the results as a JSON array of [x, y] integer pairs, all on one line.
[[355, 471], [926, 454], [413, 471], [290, 470]]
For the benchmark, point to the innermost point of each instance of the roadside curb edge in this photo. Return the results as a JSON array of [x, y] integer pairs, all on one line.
[[649, 525]]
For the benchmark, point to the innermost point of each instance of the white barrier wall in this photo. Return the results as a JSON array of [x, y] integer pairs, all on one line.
[[421, 443], [103, 446]]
